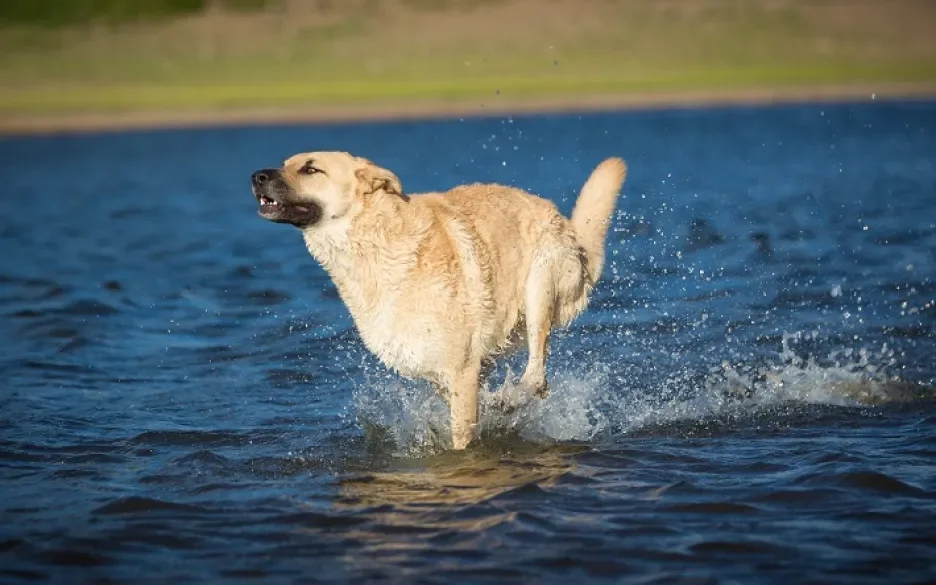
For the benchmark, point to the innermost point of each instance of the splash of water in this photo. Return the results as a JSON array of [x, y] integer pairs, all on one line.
[[414, 418], [587, 403]]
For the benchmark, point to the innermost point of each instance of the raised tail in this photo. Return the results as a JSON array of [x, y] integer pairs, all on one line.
[[593, 210]]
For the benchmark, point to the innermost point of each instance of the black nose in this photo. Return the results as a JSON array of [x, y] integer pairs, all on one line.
[[262, 176]]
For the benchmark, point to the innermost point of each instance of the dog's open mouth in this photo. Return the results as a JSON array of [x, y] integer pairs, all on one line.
[[269, 206], [282, 211], [268, 203]]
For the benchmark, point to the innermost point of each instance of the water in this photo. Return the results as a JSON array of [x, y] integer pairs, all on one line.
[[748, 398]]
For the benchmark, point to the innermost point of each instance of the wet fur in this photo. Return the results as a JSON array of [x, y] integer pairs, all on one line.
[[439, 284]]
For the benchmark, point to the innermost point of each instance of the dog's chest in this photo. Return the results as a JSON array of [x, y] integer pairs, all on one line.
[[410, 344]]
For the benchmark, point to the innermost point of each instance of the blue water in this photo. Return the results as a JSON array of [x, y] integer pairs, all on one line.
[[748, 399]]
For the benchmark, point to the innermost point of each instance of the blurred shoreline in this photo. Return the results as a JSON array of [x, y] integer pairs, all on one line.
[[135, 64], [498, 105]]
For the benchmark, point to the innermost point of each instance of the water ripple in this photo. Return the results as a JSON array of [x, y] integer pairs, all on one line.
[[750, 397]]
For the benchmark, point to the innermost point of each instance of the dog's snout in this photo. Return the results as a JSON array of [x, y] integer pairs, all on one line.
[[262, 176]]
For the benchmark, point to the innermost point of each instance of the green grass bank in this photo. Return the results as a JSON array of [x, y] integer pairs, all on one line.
[[113, 58]]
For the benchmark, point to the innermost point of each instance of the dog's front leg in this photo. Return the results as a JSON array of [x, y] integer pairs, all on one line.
[[463, 401]]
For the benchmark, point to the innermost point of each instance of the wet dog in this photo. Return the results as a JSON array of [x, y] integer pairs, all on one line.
[[439, 284]]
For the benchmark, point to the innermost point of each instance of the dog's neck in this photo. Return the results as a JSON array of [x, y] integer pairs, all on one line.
[[369, 256]]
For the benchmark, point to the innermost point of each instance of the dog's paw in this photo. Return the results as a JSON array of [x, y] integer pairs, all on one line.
[[541, 391], [538, 387]]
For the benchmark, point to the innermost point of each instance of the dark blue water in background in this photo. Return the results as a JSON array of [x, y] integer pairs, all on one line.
[[183, 398]]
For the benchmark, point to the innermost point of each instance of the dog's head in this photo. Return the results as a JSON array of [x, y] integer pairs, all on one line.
[[316, 188]]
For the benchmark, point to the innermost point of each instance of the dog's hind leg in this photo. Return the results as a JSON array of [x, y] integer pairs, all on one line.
[[463, 402], [540, 297], [556, 292]]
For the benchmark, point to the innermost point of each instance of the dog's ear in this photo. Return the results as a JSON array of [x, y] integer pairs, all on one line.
[[372, 178]]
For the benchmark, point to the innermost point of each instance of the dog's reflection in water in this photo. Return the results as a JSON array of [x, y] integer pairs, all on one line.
[[460, 479]]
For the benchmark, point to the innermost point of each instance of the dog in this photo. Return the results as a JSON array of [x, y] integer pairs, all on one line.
[[440, 284]]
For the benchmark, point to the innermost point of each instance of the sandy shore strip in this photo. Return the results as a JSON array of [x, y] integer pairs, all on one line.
[[11, 125]]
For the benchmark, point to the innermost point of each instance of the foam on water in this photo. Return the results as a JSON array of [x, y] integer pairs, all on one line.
[[590, 403]]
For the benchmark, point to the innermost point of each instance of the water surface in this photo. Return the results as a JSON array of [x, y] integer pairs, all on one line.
[[184, 398]]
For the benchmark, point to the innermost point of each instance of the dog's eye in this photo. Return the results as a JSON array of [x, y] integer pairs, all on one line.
[[308, 169]]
